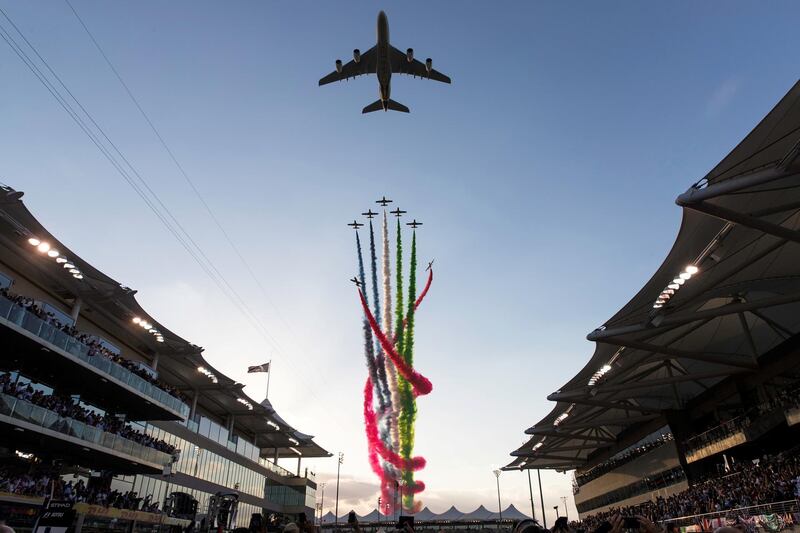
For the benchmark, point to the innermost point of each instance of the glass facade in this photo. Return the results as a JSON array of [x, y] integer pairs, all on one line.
[[159, 488], [206, 465]]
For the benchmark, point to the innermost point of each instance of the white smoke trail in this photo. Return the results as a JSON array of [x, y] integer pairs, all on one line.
[[391, 372]]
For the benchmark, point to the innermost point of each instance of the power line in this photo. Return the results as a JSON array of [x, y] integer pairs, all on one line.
[[185, 175], [183, 237]]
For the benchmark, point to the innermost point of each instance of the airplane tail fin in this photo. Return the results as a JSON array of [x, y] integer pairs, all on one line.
[[377, 105]]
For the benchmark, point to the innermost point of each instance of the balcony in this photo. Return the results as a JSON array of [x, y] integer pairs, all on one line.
[[32, 427], [103, 380]]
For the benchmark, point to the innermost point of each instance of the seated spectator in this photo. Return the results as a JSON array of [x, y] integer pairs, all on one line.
[[95, 347], [66, 407]]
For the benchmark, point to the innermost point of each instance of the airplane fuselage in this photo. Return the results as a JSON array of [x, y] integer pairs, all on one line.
[[383, 65]]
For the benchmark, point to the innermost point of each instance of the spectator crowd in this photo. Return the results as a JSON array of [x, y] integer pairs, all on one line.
[[42, 483], [66, 407], [787, 398], [620, 459], [96, 349], [767, 480]]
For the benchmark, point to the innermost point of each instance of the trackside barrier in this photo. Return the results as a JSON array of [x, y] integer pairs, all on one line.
[[774, 516]]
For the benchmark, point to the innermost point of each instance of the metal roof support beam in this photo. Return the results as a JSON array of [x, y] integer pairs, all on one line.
[[565, 466], [622, 421], [577, 448], [684, 318], [777, 328], [554, 433], [746, 220], [668, 381], [551, 457], [609, 405], [716, 358], [629, 364], [749, 336], [695, 195]]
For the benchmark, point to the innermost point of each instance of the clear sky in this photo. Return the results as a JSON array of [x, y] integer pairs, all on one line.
[[545, 176]]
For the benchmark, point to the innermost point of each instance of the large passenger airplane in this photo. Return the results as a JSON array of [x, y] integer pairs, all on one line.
[[384, 59]]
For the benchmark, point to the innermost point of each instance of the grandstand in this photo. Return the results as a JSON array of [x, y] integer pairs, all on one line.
[[105, 408], [697, 377]]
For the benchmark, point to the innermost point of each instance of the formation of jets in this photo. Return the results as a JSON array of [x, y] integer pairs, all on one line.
[[384, 60], [371, 214]]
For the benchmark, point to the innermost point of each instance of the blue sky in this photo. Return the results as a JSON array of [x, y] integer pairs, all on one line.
[[545, 175]]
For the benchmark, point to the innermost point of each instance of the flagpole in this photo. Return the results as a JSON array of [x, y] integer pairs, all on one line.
[[269, 373]]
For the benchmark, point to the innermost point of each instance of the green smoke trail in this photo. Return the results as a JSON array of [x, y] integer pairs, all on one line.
[[399, 299], [409, 414]]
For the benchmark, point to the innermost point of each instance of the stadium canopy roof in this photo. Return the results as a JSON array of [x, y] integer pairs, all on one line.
[[113, 307], [678, 337]]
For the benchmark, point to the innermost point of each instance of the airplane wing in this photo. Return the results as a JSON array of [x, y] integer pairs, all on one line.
[[401, 65], [366, 65]]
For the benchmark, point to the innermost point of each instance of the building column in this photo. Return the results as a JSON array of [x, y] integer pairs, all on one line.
[[680, 427], [76, 310], [298, 465], [194, 404], [154, 363], [276, 456]]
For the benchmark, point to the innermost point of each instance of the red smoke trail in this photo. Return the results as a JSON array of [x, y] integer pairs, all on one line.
[[375, 443], [377, 448], [421, 384], [416, 305], [425, 290]]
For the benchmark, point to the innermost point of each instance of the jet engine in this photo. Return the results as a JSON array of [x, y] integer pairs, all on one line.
[[410, 55], [357, 55], [429, 65], [339, 66]]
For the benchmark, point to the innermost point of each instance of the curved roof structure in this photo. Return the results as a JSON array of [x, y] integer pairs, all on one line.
[[114, 307], [727, 294]]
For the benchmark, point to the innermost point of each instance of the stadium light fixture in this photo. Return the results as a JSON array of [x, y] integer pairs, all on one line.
[[294, 441], [295, 450], [245, 403], [77, 276], [33, 241], [676, 285], [61, 260], [272, 424], [43, 247], [53, 253], [136, 320]]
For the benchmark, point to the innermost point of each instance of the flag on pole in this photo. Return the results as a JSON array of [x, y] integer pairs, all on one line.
[[258, 368]]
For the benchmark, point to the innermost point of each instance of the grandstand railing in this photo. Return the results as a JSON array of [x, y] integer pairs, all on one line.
[[23, 318], [780, 508], [39, 416]]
